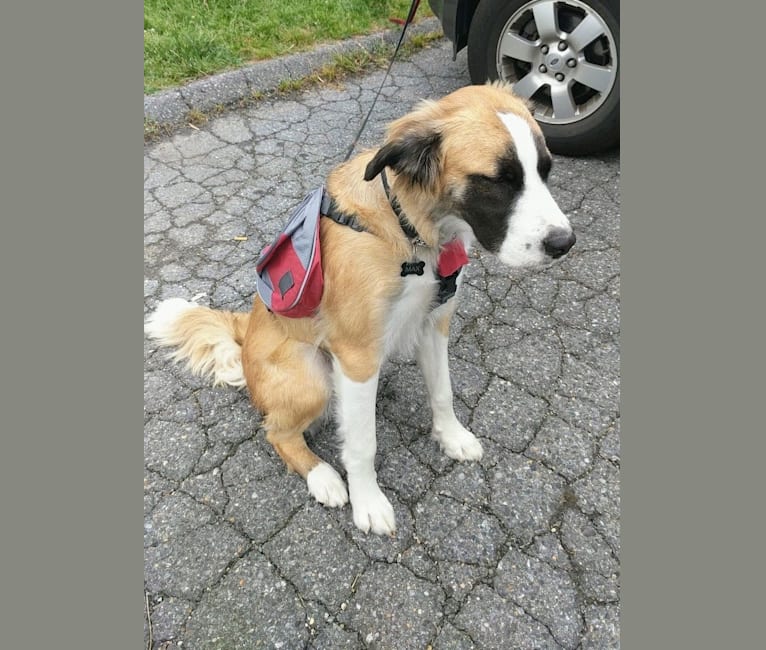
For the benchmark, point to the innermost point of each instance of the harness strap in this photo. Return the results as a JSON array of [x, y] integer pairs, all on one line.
[[328, 208], [451, 260]]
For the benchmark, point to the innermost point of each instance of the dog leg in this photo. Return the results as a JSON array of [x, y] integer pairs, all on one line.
[[291, 386], [324, 483], [456, 441], [356, 415]]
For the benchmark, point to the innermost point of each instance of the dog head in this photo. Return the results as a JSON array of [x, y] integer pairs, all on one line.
[[478, 156]]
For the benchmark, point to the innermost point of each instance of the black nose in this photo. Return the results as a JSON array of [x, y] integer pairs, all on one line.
[[558, 242]]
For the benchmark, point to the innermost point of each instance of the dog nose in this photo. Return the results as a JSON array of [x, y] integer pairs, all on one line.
[[558, 242]]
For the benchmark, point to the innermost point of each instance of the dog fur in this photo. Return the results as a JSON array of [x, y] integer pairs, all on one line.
[[472, 165]]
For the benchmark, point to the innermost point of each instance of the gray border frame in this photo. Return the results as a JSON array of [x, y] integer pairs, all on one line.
[[691, 382], [70, 269], [70, 264]]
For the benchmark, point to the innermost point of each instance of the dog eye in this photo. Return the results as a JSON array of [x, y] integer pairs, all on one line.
[[509, 172], [483, 180], [503, 178], [508, 176]]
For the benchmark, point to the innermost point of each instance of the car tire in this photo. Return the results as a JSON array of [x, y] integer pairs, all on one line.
[[590, 117]]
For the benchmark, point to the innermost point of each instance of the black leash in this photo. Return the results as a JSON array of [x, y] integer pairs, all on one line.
[[330, 209], [410, 17]]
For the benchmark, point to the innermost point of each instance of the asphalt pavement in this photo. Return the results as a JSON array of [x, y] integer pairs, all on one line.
[[520, 550]]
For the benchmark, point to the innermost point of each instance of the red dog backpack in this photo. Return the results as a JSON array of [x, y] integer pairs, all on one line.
[[289, 271]]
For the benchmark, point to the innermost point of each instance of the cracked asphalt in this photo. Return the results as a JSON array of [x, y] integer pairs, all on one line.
[[520, 550]]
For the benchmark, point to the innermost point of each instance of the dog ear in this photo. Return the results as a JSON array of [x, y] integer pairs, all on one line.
[[414, 155]]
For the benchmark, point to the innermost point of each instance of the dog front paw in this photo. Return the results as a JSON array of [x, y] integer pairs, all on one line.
[[326, 486], [373, 511], [459, 443]]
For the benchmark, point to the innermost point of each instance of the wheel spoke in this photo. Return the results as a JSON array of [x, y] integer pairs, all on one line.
[[585, 33], [594, 76], [528, 85], [546, 21], [563, 104], [518, 48]]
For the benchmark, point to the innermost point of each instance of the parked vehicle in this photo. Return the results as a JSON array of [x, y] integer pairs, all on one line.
[[563, 55]]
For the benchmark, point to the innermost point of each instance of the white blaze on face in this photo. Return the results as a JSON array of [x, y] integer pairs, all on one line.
[[535, 213]]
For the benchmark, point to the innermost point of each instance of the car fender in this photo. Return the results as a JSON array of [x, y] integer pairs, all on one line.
[[455, 17]]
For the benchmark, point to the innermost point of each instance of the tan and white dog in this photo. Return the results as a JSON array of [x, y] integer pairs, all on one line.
[[471, 166]]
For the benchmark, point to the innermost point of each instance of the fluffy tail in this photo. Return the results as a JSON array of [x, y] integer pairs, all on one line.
[[208, 340]]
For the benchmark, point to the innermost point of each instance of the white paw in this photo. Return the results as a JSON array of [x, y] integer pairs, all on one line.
[[326, 486], [373, 511], [459, 443]]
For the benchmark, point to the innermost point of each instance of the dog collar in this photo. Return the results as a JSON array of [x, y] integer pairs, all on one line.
[[409, 230], [452, 257]]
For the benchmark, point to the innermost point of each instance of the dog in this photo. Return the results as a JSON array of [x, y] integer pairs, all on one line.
[[469, 168]]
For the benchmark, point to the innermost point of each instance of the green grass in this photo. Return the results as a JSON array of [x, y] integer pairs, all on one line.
[[334, 72], [189, 39]]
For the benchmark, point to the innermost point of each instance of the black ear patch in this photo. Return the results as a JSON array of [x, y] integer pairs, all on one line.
[[415, 156]]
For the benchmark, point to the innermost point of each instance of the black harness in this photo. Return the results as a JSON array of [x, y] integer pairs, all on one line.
[[328, 208], [447, 285]]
